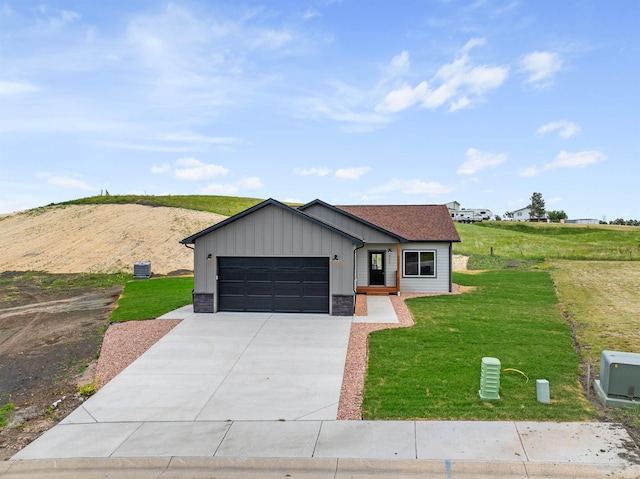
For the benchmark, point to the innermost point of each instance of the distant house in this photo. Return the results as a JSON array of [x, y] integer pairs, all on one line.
[[524, 214], [315, 258], [467, 215]]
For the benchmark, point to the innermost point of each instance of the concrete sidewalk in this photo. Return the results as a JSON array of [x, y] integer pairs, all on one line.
[[220, 396]]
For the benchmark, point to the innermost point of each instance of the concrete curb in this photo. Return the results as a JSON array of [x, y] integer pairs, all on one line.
[[301, 468]]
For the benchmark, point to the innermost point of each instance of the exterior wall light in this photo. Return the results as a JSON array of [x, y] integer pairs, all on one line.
[[335, 257], [209, 257]]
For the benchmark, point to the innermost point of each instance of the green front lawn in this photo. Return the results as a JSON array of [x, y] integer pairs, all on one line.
[[432, 370], [150, 298]]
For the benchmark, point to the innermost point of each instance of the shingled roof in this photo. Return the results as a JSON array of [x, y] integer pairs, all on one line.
[[411, 222]]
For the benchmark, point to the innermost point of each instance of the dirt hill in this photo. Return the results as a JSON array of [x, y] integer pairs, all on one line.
[[100, 238]]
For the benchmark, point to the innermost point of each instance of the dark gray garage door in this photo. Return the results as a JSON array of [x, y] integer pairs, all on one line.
[[285, 285]]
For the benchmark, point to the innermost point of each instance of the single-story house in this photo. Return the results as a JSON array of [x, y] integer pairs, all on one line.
[[524, 214], [315, 258]]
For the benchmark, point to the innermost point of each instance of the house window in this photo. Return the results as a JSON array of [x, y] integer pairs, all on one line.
[[419, 263]]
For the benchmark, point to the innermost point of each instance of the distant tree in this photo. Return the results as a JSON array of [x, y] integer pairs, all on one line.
[[536, 207], [555, 215], [618, 221], [497, 218]]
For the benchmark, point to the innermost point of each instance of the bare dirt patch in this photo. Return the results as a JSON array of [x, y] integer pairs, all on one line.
[[100, 238], [49, 339]]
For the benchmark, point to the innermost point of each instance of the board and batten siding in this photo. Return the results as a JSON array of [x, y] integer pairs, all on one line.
[[342, 221], [442, 281], [274, 231]]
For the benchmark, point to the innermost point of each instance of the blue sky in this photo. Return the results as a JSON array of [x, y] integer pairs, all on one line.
[[352, 102]]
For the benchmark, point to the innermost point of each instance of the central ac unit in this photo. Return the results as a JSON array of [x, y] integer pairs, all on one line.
[[620, 374]]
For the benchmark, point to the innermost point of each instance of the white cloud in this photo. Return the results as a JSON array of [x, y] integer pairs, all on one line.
[[403, 97], [575, 160], [345, 107], [164, 168], [310, 13], [312, 171], [529, 172], [458, 84], [540, 67], [53, 19], [351, 173], [399, 64], [192, 169], [66, 182], [565, 159], [566, 129], [16, 88], [251, 183], [479, 160]]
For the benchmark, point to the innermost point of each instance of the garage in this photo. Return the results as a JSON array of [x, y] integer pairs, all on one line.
[[273, 284]]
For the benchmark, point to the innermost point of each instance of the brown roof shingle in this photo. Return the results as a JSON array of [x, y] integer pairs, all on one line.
[[412, 222]]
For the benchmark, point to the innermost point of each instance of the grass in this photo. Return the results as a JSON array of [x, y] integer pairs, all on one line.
[[432, 370], [148, 299], [542, 241], [5, 413], [223, 205], [601, 299], [63, 281]]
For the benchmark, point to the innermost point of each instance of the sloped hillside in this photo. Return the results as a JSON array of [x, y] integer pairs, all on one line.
[[100, 238]]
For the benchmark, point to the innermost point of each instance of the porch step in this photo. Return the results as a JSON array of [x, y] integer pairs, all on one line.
[[376, 290]]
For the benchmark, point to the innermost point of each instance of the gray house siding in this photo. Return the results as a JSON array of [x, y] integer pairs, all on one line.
[[438, 284], [345, 223], [390, 263], [274, 231]]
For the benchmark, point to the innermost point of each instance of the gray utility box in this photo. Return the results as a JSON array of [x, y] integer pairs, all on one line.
[[620, 374], [142, 270]]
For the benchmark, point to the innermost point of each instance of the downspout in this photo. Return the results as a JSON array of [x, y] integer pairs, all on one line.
[[193, 290], [355, 274], [451, 267], [398, 266]]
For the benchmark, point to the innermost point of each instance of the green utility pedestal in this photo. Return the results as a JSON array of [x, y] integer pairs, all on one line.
[[490, 379]]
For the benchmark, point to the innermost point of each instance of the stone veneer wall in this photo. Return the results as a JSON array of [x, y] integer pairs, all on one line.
[[203, 302], [342, 305]]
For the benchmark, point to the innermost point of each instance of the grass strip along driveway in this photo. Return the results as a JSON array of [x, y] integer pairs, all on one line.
[[432, 370], [150, 298]]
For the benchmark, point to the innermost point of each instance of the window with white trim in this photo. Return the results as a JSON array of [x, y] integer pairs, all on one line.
[[420, 263]]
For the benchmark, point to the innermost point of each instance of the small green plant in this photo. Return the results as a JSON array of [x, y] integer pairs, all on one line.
[[87, 390], [5, 413]]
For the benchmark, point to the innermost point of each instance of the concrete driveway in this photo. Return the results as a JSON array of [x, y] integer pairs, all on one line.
[[232, 366]]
